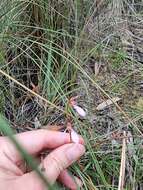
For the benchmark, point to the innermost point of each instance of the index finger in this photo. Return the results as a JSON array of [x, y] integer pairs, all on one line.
[[34, 142]]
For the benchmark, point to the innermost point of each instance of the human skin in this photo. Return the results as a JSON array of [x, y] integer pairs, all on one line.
[[13, 174]]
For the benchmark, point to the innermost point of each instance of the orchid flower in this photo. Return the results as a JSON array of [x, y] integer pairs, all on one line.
[[73, 134], [78, 109]]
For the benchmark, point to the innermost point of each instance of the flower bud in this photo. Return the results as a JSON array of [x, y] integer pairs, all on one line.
[[74, 136]]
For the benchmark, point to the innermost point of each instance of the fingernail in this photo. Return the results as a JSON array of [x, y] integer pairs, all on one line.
[[74, 152]]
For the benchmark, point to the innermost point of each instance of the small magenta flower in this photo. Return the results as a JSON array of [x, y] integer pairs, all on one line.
[[78, 109]]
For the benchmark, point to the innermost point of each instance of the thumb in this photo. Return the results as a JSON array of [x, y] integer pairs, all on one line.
[[54, 163], [60, 159]]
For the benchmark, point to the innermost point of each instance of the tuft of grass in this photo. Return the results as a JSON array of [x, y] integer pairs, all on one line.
[[53, 50]]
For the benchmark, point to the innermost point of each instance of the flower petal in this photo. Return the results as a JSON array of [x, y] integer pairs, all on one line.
[[79, 110], [74, 136]]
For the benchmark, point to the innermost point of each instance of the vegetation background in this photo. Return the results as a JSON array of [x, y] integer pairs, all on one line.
[[51, 50]]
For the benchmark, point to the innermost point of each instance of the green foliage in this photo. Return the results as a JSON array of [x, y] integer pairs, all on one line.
[[50, 44], [117, 59]]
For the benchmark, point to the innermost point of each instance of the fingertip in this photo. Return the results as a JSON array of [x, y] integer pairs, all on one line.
[[78, 182], [70, 181], [74, 152]]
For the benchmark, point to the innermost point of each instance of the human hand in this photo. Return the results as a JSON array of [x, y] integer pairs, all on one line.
[[13, 174]]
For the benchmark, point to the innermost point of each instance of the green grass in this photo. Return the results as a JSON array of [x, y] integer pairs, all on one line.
[[50, 44]]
